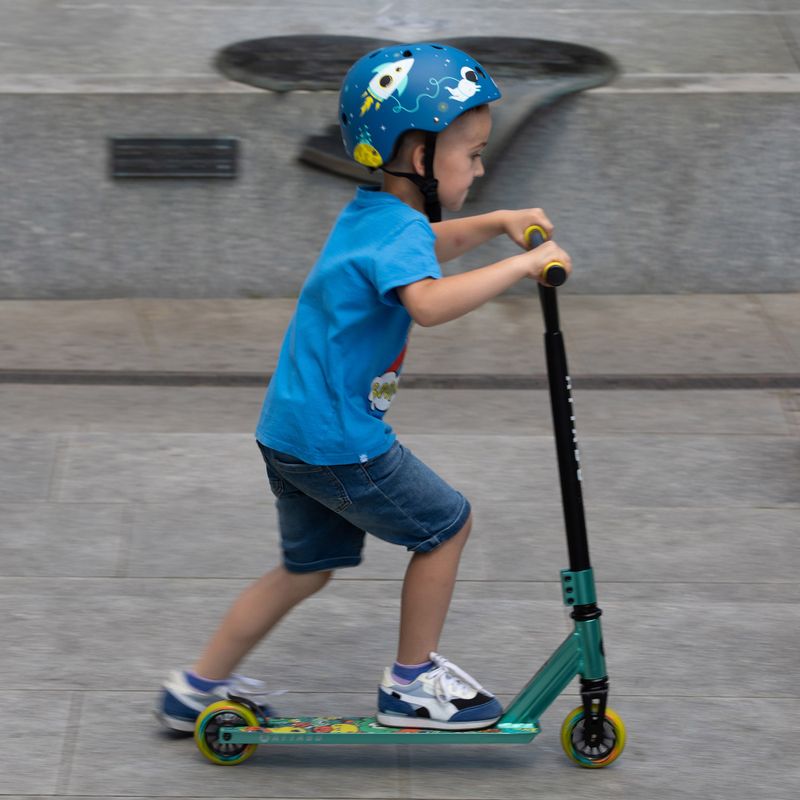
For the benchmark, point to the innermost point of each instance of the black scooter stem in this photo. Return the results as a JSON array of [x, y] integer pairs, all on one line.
[[569, 467]]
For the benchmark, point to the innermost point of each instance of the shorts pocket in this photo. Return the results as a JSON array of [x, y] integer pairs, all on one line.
[[335, 495], [382, 467], [275, 482], [291, 464]]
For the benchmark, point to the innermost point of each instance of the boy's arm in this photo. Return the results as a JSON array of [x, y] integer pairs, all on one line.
[[454, 237], [434, 301]]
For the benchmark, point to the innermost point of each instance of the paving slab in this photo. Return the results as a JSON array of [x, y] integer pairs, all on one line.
[[27, 462], [219, 409], [693, 471], [609, 334], [97, 629], [782, 313], [522, 541], [721, 758], [130, 468], [519, 539], [791, 407], [160, 766], [605, 334], [489, 411], [511, 540], [44, 408], [640, 470], [39, 725], [204, 335], [71, 334], [175, 540], [55, 540]]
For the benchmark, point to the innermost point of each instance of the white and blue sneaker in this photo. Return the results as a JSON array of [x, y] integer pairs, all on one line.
[[443, 698], [182, 700]]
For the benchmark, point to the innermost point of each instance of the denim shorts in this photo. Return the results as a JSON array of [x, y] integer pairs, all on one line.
[[324, 511]]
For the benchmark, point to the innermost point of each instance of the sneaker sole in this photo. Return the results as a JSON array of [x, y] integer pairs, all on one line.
[[391, 721], [174, 724]]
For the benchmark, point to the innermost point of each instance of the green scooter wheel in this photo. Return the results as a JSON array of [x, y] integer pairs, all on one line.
[[592, 755], [224, 714]]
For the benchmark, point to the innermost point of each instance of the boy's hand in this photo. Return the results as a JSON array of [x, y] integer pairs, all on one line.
[[515, 223], [537, 259]]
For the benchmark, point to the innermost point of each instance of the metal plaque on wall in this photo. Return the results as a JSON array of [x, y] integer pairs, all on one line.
[[168, 157]]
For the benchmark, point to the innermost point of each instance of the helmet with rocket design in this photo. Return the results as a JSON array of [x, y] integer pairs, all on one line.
[[422, 86]]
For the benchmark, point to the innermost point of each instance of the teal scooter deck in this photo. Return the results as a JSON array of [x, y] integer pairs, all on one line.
[[358, 730]]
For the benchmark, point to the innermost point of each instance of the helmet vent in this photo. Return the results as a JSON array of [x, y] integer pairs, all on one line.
[[407, 54]]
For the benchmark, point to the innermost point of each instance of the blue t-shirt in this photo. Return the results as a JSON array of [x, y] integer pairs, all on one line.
[[343, 351]]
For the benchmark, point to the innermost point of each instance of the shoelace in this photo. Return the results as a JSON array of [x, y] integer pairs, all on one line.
[[450, 680]]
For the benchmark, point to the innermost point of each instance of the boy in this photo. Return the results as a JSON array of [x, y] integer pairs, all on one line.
[[420, 113]]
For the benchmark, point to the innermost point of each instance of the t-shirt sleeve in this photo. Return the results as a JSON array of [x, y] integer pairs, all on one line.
[[404, 257]]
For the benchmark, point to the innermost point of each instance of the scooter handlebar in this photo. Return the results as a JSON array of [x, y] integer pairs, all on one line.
[[554, 274]]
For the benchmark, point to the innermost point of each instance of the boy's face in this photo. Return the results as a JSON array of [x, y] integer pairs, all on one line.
[[457, 161]]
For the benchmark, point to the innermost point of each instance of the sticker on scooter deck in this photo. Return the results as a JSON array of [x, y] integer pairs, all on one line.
[[532, 73], [344, 730]]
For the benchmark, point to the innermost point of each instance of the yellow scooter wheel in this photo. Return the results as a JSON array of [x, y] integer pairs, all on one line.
[[224, 714], [592, 755]]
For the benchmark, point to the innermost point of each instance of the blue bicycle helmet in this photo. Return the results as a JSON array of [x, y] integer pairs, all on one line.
[[422, 86]]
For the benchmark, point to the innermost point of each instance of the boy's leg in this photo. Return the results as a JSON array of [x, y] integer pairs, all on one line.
[[441, 696], [254, 613], [427, 590]]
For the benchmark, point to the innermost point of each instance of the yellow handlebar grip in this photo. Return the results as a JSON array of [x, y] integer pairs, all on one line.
[[554, 274], [535, 235]]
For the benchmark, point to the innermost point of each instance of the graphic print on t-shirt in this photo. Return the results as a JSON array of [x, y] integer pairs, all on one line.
[[384, 387]]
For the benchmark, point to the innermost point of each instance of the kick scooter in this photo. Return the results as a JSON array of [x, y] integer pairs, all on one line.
[[592, 735]]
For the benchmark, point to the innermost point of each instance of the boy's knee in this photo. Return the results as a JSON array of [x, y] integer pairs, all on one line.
[[307, 583], [324, 577], [317, 580], [464, 532]]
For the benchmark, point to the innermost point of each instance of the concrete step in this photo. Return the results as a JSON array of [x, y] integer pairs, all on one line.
[[606, 335], [679, 177]]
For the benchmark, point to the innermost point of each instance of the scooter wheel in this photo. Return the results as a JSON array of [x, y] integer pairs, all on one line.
[[224, 714], [585, 753]]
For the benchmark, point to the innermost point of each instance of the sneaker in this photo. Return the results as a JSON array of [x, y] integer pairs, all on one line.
[[180, 703], [443, 698]]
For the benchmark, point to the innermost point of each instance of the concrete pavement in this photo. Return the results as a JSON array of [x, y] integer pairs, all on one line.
[[133, 510]]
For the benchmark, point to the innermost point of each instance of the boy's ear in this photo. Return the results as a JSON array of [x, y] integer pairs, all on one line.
[[418, 158]]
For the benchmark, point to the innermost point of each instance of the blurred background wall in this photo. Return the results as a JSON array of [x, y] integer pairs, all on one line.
[[681, 176]]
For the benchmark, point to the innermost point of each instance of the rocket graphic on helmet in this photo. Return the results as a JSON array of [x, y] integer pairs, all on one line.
[[422, 86], [389, 78]]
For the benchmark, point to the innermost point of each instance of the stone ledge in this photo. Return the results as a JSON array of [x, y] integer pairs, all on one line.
[[708, 82], [120, 84], [630, 83]]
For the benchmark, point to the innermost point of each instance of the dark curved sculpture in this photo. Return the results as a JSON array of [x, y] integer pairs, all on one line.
[[532, 73]]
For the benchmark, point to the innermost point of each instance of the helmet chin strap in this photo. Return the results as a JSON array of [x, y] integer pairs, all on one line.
[[427, 184]]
